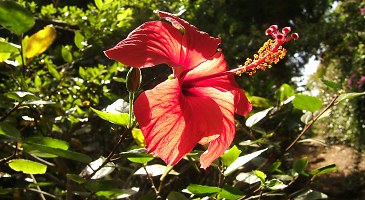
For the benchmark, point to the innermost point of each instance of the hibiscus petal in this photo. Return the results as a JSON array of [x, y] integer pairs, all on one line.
[[216, 65], [152, 43], [197, 46], [173, 122], [226, 103]]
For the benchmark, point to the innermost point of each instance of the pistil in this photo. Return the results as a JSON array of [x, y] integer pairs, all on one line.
[[271, 52]]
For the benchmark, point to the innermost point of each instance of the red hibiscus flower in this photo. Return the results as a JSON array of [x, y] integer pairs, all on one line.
[[196, 107]]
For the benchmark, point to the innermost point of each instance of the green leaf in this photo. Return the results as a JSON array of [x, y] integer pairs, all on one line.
[[15, 17], [102, 185], [9, 131], [257, 117], [285, 91], [274, 167], [44, 141], [79, 40], [248, 177], [21, 96], [324, 170], [156, 170], [311, 195], [60, 152], [96, 164], [6, 47], [259, 102], [99, 4], [229, 192], [306, 102], [142, 158], [4, 56], [27, 166], [40, 41], [66, 54], [138, 137], [176, 196], [117, 193], [261, 175], [52, 69], [203, 189], [230, 156], [116, 118], [37, 82], [78, 179], [275, 184], [330, 84], [240, 161], [346, 96], [300, 166]]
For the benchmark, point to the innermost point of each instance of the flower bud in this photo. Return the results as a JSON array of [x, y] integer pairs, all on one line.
[[134, 79]]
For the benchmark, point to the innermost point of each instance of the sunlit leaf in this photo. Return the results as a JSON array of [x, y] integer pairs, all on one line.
[[247, 177], [257, 117], [52, 69], [346, 96], [259, 102], [306, 102], [40, 41], [27, 166], [324, 170], [6, 47], [142, 158], [274, 167], [120, 119], [99, 4], [105, 170], [311, 195], [230, 156], [285, 91], [21, 96], [138, 137], [119, 106], [66, 54], [229, 192], [60, 152], [330, 84], [261, 175], [275, 184], [4, 56], [9, 131], [203, 189], [117, 193], [300, 166], [15, 17], [240, 161], [44, 141], [79, 40], [155, 170]]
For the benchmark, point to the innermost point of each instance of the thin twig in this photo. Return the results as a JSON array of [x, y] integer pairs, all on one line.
[[107, 159], [38, 188], [151, 180], [10, 111], [306, 128], [42, 192]]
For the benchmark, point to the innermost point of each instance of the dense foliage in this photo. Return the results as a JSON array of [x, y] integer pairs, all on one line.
[[66, 126]]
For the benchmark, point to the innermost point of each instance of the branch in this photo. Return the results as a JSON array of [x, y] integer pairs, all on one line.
[[306, 128]]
